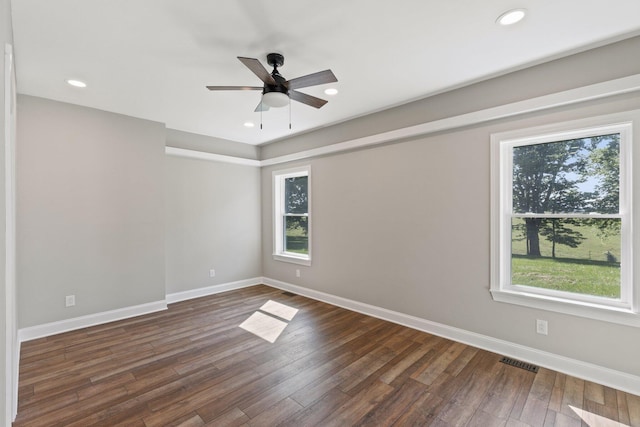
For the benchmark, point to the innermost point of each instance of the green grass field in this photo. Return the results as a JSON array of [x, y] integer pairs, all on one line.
[[297, 240], [562, 274], [585, 270]]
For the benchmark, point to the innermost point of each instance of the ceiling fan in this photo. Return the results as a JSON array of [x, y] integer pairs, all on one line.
[[277, 91]]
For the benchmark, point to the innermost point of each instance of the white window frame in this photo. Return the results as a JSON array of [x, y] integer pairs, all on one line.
[[623, 311], [279, 176]]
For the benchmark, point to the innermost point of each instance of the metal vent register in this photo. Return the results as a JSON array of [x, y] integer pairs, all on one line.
[[519, 364]]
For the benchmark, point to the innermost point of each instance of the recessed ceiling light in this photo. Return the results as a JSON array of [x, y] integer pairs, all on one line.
[[331, 91], [249, 124], [511, 17], [76, 83]]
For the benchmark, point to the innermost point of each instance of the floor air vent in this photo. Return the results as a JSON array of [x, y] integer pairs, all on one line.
[[288, 294], [518, 364]]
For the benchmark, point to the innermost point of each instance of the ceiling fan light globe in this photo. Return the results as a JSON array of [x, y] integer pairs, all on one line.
[[275, 99]]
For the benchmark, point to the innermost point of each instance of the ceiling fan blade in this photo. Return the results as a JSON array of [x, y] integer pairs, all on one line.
[[258, 69], [318, 78], [261, 107], [307, 99], [234, 88]]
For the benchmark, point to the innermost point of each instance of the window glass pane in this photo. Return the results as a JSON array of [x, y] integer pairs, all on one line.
[[572, 255], [572, 176], [296, 196], [296, 234]]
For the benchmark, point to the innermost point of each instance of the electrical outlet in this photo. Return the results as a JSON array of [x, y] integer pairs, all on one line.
[[298, 272], [70, 300], [212, 273], [542, 327]]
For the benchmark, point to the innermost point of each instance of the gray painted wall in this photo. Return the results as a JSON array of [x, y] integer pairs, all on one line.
[[212, 222], [90, 211], [406, 227], [6, 36]]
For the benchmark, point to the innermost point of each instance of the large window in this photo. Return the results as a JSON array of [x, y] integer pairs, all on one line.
[[292, 219], [561, 231]]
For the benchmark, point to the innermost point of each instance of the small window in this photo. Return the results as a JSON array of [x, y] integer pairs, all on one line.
[[292, 219], [561, 219]]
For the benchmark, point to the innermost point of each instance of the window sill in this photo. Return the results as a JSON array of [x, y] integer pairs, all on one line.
[[302, 260], [620, 316]]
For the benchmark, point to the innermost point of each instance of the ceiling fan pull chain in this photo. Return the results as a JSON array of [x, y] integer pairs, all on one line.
[[289, 113], [260, 115]]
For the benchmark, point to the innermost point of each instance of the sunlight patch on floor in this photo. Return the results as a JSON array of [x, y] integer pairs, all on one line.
[[266, 327], [277, 309], [594, 420]]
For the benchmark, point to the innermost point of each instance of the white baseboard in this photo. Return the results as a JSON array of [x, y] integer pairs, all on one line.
[[48, 329], [576, 368], [211, 290]]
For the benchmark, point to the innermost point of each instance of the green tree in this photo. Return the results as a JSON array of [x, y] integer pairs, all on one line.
[[556, 231], [297, 202], [545, 180], [605, 164]]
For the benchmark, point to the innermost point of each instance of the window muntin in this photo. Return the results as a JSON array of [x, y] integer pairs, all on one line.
[[292, 215], [562, 225]]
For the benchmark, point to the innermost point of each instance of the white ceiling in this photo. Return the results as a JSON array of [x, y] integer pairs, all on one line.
[[152, 58]]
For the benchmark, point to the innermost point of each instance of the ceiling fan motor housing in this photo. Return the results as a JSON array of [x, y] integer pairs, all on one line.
[[279, 87], [276, 60]]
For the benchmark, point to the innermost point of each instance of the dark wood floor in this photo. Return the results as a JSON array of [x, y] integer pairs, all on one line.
[[192, 365]]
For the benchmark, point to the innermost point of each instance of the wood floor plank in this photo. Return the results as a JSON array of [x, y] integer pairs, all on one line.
[[276, 414], [573, 396], [369, 367], [252, 390], [516, 423], [191, 421], [633, 405], [263, 401], [594, 392], [232, 418], [623, 409], [313, 414], [422, 412], [543, 383], [63, 415], [523, 395], [392, 408], [481, 418], [438, 365], [534, 412], [601, 412], [192, 365], [406, 359], [550, 418], [195, 401], [325, 384], [354, 409], [503, 394], [461, 408]]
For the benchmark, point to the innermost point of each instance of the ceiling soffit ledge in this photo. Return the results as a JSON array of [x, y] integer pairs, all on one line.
[[621, 86]]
